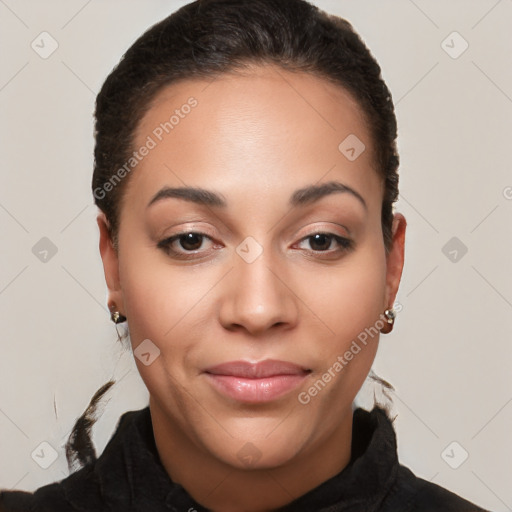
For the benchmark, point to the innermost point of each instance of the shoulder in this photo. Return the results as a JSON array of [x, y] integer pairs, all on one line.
[[81, 490], [406, 492], [411, 493], [49, 498]]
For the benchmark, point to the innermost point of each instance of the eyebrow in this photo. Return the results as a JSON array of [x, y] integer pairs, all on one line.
[[300, 197]]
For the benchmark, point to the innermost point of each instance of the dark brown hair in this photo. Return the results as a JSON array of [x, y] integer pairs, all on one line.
[[207, 38]]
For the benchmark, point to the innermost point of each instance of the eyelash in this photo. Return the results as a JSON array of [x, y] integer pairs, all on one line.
[[345, 245]]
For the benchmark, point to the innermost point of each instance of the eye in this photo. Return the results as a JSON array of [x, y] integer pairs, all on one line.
[[188, 244], [182, 243], [323, 243]]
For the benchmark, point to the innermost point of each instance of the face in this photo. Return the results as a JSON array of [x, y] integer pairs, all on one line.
[[270, 249]]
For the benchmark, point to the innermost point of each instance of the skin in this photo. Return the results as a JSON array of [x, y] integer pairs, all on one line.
[[254, 138]]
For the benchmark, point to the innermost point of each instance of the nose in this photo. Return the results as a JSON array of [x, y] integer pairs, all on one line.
[[257, 297]]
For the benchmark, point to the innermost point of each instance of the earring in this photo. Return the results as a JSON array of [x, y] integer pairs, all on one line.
[[117, 317], [390, 316]]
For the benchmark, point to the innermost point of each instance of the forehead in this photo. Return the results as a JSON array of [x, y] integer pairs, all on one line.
[[266, 128]]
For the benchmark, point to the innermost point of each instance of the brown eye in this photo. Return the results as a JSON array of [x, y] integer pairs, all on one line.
[[191, 241], [183, 245], [320, 242], [323, 243]]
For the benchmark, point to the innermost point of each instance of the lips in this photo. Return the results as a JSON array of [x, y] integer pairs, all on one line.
[[256, 382], [261, 370]]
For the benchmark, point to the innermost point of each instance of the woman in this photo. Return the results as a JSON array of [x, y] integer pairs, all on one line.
[[245, 174]]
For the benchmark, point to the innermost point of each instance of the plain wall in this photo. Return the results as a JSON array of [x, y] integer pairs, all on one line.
[[450, 353]]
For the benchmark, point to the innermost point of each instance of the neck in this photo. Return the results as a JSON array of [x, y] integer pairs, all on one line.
[[219, 486]]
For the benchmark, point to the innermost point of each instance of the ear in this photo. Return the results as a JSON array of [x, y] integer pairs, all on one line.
[[110, 264], [395, 259]]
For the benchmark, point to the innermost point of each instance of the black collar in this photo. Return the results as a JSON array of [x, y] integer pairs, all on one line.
[[129, 475]]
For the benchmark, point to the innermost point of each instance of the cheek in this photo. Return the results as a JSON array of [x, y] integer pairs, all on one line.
[[170, 306], [160, 299], [157, 296], [156, 301], [349, 298], [349, 301]]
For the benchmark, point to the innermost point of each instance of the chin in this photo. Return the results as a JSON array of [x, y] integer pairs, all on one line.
[[252, 456], [270, 445]]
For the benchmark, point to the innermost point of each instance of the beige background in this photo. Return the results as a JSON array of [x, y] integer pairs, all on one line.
[[450, 353]]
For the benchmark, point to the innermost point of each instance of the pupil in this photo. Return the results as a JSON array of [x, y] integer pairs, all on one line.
[[323, 238], [190, 239]]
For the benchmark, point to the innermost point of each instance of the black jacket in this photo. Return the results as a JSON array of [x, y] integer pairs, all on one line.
[[129, 477]]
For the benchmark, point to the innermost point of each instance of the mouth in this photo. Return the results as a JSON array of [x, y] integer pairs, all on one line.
[[260, 382]]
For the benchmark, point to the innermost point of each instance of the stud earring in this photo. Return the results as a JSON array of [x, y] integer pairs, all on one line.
[[117, 318], [389, 320]]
